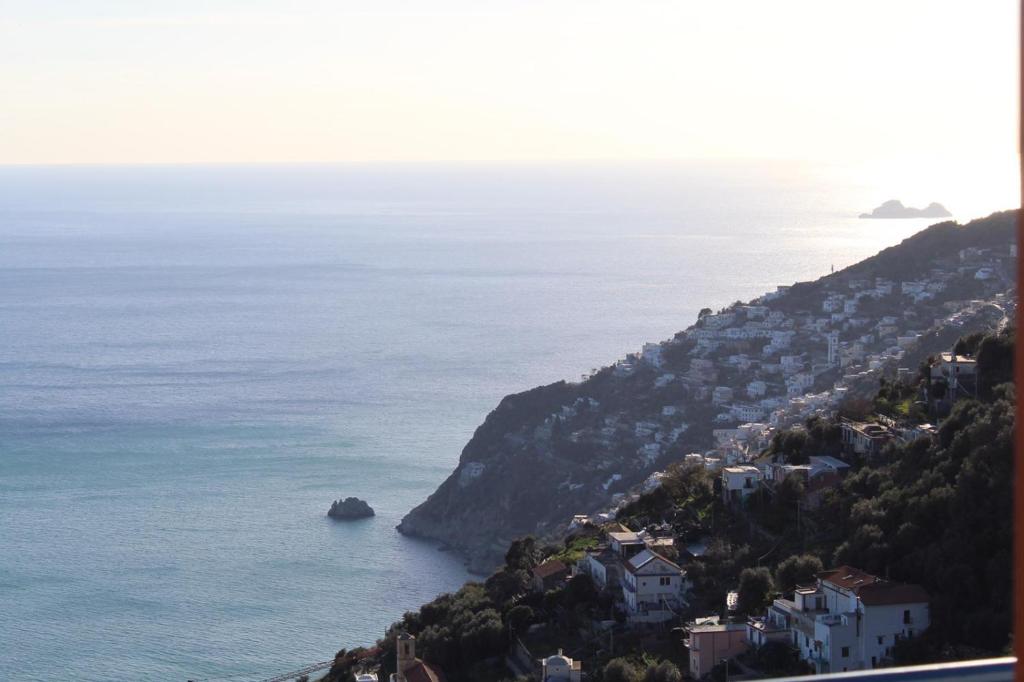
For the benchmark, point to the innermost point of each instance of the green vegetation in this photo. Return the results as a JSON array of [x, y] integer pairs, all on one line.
[[797, 570], [797, 446], [575, 548], [936, 512], [755, 591], [468, 633]]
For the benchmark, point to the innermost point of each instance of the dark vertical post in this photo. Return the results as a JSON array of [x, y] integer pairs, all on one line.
[[1018, 370]]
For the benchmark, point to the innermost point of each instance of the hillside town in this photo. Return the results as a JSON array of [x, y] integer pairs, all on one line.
[[747, 499], [761, 369]]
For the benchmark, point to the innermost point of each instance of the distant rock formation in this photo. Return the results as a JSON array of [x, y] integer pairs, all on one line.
[[350, 508], [894, 208]]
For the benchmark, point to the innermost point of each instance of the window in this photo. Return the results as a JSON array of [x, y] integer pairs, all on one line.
[[665, 581], [906, 616], [881, 639], [846, 652], [873, 662]]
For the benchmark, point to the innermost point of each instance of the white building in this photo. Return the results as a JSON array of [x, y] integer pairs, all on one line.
[[721, 395], [653, 588], [849, 620], [651, 354], [739, 482], [757, 389], [560, 668], [747, 412], [833, 349]]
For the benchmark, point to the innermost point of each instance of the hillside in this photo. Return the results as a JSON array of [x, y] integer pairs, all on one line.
[[564, 449], [881, 515]]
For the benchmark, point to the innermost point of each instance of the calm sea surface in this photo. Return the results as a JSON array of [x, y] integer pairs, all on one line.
[[194, 362]]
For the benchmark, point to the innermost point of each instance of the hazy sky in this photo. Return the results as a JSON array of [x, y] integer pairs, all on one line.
[[337, 80]]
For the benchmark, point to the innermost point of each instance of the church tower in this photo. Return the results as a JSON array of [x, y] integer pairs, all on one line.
[[406, 646], [833, 349]]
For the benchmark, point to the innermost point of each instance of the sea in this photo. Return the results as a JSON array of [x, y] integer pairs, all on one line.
[[195, 361]]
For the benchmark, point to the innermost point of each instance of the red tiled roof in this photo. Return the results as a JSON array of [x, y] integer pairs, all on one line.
[[423, 672], [872, 590], [848, 577], [880, 594], [549, 568]]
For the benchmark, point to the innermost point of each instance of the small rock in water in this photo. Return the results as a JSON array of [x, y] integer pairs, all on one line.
[[350, 508]]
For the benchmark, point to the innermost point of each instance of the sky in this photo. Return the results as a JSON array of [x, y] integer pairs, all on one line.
[[138, 81]]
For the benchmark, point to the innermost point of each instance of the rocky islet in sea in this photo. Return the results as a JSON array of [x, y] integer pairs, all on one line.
[[350, 508]]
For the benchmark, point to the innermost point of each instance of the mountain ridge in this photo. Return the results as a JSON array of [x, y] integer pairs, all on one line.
[[566, 448]]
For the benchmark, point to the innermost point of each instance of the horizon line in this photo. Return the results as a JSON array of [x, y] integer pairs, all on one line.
[[1009, 157]]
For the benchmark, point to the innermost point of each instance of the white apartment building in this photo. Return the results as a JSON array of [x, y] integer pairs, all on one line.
[[653, 588], [739, 482], [848, 620]]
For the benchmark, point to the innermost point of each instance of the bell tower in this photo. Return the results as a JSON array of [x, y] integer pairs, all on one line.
[[406, 654]]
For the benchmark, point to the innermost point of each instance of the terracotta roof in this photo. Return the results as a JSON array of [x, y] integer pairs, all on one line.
[[423, 672], [880, 594], [872, 590], [549, 568], [848, 577]]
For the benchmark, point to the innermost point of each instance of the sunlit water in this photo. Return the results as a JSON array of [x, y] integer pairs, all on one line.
[[194, 362]]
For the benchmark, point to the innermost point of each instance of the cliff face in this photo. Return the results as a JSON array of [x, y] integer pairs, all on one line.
[[549, 453]]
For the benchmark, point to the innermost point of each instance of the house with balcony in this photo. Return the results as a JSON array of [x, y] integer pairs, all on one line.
[[653, 588], [848, 620], [626, 543], [739, 483], [862, 438]]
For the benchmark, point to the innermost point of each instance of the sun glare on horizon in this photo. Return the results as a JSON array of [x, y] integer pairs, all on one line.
[[105, 82]]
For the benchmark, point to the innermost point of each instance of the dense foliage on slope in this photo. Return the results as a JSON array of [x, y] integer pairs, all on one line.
[[936, 512]]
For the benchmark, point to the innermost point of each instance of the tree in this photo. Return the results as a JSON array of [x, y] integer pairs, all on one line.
[[788, 494], [797, 570], [483, 636], [754, 590], [519, 618], [666, 671], [620, 670], [778, 659], [580, 590], [995, 362], [505, 584], [522, 554]]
